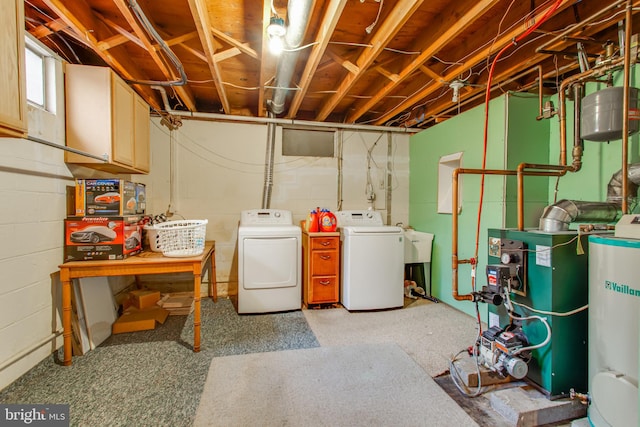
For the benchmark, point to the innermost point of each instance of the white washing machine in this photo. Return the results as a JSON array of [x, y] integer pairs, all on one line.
[[269, 262], [372, 267]]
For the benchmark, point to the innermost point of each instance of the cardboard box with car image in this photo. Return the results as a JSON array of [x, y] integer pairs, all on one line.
[[109, 197], [102, 238]]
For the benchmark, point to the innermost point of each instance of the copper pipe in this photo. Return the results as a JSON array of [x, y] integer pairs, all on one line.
[[455, 262], [454, 241], [625, 110], [552, 170]]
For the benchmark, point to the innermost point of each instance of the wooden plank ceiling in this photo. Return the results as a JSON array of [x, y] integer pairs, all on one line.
[[378, 62]]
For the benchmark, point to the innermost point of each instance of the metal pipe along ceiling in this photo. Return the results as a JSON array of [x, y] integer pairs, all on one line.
[[298, 12]]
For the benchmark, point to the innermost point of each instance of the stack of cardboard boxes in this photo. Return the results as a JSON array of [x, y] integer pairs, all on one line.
[[108, 220], [141, 312]]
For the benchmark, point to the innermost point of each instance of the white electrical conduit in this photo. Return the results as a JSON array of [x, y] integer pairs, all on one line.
[[553, 313], [542, 319], [268, 165]]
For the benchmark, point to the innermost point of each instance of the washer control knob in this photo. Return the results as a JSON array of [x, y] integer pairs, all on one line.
[[276, 214]]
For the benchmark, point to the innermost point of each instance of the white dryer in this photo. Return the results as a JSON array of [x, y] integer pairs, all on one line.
[[269, 262], [372, 261]]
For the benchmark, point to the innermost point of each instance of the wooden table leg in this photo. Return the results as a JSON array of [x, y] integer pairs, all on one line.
[[196, 309], [66, 316]]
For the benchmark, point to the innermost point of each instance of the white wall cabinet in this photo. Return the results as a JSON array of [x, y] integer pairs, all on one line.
[[13, 105], [105, 117]]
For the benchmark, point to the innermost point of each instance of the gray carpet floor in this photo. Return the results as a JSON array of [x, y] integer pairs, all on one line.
[[152, 378], [351, 385]]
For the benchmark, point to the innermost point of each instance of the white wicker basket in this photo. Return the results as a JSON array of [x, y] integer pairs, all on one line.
[[182, 238]]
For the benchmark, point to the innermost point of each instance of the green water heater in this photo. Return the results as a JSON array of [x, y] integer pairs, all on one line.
[[552, 276]]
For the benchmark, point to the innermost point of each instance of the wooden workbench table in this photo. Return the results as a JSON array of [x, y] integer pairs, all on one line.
[[146, 262]]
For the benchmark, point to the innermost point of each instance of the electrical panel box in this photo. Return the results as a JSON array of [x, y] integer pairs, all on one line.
[[556, 281]]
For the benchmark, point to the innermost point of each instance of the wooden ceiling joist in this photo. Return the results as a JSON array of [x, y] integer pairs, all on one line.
[[455, 26], [201, 18], [398, 16], [469, 63], [82, 21], [182, 91], [243, 47], [329, 21]]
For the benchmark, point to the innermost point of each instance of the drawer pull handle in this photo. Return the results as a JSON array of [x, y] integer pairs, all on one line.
[[325, 257], [325, 243], [325, 282]]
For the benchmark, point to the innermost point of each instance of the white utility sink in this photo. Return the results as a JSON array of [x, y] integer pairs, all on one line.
[[417, 246]]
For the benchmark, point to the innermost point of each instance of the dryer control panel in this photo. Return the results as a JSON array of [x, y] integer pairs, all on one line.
[[266, 217], [367, 218]]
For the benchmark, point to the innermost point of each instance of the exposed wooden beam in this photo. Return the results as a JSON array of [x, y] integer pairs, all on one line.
[[329, 21], [480, 55], [429, 72], [243, 47], [200, 15], [47, 29], [181, 39], [398, 16], [388, 74], [455, 26], [123, 33], [82, 21], [344, 63], [194, 52], [113, 41], [227, 53], [161, 62]]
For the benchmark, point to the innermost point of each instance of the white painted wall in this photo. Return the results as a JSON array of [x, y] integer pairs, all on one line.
[[220, 171], [33, 181]]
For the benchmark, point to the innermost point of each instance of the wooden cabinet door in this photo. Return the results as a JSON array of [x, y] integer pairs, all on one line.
[[123, 122], [13, 103], [141, 135]]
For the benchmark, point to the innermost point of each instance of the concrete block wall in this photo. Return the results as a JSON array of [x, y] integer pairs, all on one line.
[[219, 171], [33, 183]]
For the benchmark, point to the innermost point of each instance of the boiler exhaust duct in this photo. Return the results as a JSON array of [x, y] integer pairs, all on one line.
[[558, 216]]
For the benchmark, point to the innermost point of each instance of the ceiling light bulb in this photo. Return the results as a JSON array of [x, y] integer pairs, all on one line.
[[276, 45], [276, 32]]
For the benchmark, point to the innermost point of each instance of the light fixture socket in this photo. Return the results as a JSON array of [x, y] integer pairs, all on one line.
[[276, 27], [456, 85]]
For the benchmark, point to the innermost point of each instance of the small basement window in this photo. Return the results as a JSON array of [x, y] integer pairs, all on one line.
[[40, 65], [35, 77], [306, 142]]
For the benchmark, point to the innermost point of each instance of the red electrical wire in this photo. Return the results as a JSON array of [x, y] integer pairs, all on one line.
[[529, 30]]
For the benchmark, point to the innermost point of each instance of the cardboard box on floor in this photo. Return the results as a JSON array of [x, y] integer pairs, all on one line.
[[133, 319], [144, 298]]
